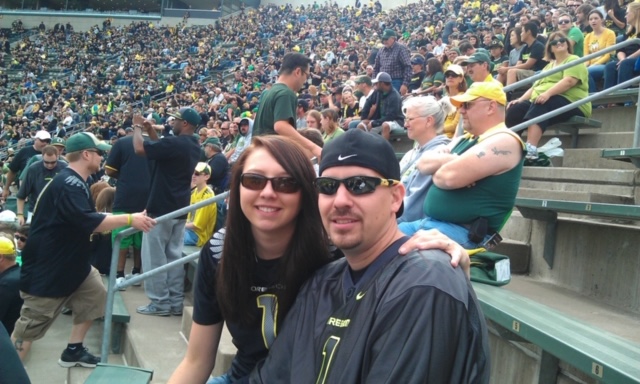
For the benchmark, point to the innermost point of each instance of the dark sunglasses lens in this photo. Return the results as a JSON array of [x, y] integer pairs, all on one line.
[[253, 182], [327, 186], [285, 184], [20, 238], [359, 185]]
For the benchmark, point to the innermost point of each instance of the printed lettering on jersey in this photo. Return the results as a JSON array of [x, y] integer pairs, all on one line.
[[341, 323], [77, 182]]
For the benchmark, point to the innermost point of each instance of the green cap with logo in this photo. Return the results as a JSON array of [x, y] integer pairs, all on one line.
[[58, 141], [189, 115], [388, 33], [85, 140]]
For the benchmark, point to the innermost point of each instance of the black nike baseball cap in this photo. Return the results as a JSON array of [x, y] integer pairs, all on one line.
[[362, 149]]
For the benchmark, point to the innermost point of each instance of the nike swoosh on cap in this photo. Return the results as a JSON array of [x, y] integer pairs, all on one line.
[[340, 157]]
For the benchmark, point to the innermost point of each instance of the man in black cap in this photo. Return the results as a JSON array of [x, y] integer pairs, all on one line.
[[395, 59], [219, 179], [301, 111], [366, 310], [175, 159], [417, 65]]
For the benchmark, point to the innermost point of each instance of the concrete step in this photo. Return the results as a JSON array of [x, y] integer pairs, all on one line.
[[554, 186], [42, 362], [581, 175], [591, 139], [152, 342], [574, 196], [594, 312], [616, 119], [519, 254], [535, 193], [78, 375], [226, 349], [591, 158]]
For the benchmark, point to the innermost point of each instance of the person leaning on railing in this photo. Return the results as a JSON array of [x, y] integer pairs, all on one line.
[[551, 92], [624, 68], [596, 41]]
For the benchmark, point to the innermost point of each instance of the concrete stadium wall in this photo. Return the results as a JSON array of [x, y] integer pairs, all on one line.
[[83, 24]]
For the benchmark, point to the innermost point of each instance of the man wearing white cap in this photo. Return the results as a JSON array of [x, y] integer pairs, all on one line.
[[19, 162]]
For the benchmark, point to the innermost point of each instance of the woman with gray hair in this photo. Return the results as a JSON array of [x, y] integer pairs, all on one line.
[[424, 120]]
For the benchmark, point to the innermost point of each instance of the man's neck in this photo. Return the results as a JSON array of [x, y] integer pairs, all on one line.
[[200, 187], [288, 81], [530, 41], [362, 258]]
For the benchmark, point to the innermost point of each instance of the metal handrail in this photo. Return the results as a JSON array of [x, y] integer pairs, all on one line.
[[575, 104], [562, 67], [113, 287]]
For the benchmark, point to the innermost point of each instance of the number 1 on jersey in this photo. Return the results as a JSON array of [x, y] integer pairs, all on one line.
[[269, 305], [329, 349]]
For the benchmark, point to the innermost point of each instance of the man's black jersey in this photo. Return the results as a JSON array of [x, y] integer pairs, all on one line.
[[411, 319]]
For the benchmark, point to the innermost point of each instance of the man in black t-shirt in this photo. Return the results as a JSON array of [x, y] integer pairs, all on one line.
[[219, 180], [531, 57], [37, 176], [133, 173], [56, 270], [19, 162], [175, 159], [417, 65]]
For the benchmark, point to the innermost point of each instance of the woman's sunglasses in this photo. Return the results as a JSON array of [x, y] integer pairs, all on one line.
[[20, 238], [561, 40], [257, 182]]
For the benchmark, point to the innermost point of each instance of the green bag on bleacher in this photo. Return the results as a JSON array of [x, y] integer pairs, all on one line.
[[490, 268]]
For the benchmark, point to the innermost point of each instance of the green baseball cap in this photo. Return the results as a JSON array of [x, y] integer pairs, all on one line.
[[85, 140], [189, 115], [388, 33], [477, 57], [212, 141], [58, 141]]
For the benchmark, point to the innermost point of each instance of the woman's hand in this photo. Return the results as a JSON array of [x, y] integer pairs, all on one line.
[[434, 239], [542, 98], [513, 102]]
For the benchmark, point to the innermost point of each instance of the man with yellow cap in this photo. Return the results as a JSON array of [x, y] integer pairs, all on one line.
[[10, 301], [476, 179]]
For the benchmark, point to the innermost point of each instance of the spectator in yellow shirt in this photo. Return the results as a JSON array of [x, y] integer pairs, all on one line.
[[200, 223], [595, 41]]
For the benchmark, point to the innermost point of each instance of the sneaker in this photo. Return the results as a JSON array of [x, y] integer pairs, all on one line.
[[176, 311], [532, 152], [66, 311], [131, 276], [121, 280], [81, 358], [151, 309]]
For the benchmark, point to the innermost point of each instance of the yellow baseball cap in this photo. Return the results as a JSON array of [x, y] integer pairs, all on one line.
[[7, 248], [491, 90]]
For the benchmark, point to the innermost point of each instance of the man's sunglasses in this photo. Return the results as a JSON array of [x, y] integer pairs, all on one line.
[[561, 40], [356, 185], [50, 162], [48, 141], [196, 173], [100, 152], [257, 182], [563, 22]]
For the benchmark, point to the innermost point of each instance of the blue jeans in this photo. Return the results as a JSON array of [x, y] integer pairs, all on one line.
[[222, 379], [396, 83], [596, 73], [623, 73], [190, 237], [353, 124], [455, 232]]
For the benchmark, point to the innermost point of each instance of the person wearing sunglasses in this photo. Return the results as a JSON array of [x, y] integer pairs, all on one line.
[[200, 223], [19, 162], [273, 241], [373, 305], [476, 177], [550, 93], [56, 269], [573, 33], [37, 176]]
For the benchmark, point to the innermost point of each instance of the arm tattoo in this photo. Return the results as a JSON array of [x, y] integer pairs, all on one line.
[[18, 345], [497, 151], [480, 154]]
